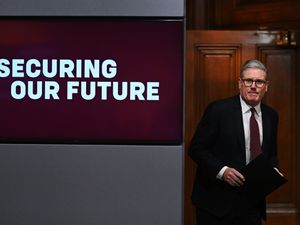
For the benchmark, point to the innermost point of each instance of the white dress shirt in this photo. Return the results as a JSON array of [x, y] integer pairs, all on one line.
[[246, 113]]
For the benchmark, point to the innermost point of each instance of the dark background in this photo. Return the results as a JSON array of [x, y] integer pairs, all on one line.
[[144, 50]]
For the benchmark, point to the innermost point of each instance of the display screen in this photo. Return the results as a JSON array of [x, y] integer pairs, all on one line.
[[91, 80]]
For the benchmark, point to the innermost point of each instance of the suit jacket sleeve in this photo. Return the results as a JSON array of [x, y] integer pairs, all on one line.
[[203, 141], [270, 126]]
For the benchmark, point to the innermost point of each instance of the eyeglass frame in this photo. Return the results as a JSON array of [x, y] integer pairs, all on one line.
[[263, 82]]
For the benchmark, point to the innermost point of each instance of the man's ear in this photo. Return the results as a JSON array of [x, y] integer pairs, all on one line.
[[267, 86], [240, 84]]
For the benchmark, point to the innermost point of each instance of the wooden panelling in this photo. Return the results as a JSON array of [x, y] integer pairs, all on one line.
[[283, 219], [220, 61], [197, 14], [282, 96], [244, 14]]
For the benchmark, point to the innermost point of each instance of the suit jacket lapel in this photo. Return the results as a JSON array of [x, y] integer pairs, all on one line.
[[266, 124], [238, 118]]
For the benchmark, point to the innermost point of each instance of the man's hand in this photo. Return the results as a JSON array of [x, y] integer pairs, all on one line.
[[233, 177]]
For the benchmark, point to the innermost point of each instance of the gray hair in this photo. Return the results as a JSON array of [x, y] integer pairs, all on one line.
[[254, 63]]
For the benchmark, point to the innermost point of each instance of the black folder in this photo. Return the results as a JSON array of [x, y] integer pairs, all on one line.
[[260, 179]]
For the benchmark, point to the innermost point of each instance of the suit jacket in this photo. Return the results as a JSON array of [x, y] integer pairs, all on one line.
[[219, 141]]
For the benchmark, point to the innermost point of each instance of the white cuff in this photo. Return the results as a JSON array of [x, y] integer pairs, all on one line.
[[220, 174]]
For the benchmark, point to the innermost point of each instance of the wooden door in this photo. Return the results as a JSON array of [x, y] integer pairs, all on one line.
[[213, 61]]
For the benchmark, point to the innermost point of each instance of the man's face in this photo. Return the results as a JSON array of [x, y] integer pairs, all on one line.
[[253, 93]]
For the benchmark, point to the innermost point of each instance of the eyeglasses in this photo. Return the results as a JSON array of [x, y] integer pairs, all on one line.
[[258, 83]]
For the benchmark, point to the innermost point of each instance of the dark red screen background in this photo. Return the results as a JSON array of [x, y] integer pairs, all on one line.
[[145, 51]]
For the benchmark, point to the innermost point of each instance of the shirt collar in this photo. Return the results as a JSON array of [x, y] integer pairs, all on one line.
[[246, 108]]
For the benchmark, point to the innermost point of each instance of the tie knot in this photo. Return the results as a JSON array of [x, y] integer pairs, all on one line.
[[253, 111]]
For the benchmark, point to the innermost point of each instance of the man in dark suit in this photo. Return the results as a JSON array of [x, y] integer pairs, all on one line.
[[221, 147]]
